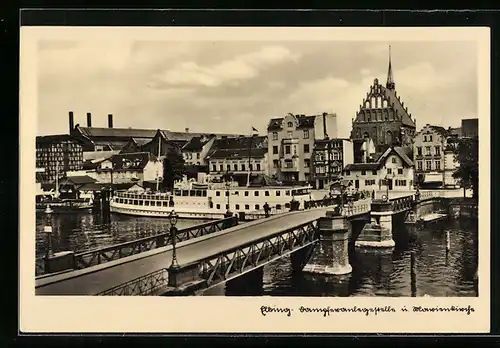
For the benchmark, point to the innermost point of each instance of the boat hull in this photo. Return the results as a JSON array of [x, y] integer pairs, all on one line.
[[164, 212]]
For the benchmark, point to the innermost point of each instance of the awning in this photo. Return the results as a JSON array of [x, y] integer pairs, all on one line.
[[433, 178]]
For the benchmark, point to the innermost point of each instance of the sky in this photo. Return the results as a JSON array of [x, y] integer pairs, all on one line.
[[231, 86]]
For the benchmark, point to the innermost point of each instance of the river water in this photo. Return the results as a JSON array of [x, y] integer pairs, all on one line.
[[436, 271]]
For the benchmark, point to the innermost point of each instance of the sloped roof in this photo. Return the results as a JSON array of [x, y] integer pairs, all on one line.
[[45, 139], [304, 122], [363, 166], [401, 153], [77, 180], [240, 143], [129, 161], [380, 159], [237, 153], [397, 105], [93, 132]]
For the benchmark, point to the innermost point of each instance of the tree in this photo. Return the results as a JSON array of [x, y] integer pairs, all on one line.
[[174, 168], [467, 155]]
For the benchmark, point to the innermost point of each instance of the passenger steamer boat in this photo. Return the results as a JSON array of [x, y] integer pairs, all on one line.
[[208, 201]]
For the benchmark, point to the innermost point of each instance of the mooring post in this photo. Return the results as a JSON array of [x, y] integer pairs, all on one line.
[[448, 244], [331, 255]]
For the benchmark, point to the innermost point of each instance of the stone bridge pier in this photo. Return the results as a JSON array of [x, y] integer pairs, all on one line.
[[378, 233], [330, 255]]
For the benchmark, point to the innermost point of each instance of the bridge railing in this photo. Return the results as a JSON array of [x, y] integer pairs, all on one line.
[[357, 207], [114, 252], [149, 284]]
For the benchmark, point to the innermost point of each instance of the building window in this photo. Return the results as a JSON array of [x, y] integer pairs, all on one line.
[[394, 160], [275, 163], [419, 150], [389, 171], [306, 133], [275, 135], [430, 137], [266, 193], [287, 149], [217, 193], [217, 206], [243, 167], [428, 165], [275, 150], [427, 150], [235, 167], [228, 167], [247, 207], [307, 163], [250, 166], [306, 148], [347, 172], [197, 156], [363, 172], [419, 165], [400, 171], [290, 124], [257, 207], [258, 167], [290, 134], [237, 206], [374, 172], [246, 193], [437, 151], [370, 182], [278, 193], [288, 163], [438, 165], [425, 138], [221, 167], [256, 193]]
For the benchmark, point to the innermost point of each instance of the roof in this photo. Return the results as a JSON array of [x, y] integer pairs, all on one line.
[[397, 105], [130, 161], [238, 153], [437, 129], [56, 138], [363, 166], [77, 180], [196, 143], [380, 159], [401, 153], [240, 143], [304, 122]]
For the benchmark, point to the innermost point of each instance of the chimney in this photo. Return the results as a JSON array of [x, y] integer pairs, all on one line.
[[324, 126], [71, 122], [89, 119], [187, 130], [110, 121]]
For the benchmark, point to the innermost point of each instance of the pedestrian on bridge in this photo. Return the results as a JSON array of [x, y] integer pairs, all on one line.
[[266, 209]]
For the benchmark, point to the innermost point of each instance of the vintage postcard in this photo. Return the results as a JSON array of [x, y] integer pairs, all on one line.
[[280, 180]]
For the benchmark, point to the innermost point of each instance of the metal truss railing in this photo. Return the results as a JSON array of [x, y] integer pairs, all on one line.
[[114, 252], [150, 284]]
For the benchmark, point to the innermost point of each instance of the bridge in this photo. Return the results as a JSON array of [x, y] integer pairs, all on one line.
[[208, 259]]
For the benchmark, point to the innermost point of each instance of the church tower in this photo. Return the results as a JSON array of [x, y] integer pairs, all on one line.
[[383, 117]]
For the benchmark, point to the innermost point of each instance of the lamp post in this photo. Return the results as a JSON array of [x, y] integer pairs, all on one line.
[[47, 229], [228, 185], [173, 233]]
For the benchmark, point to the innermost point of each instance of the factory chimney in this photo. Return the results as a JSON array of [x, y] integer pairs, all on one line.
[[89, 119], [110, 121], [325, 133], [71, 122]]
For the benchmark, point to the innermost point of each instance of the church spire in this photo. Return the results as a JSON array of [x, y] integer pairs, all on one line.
[[390, 78]]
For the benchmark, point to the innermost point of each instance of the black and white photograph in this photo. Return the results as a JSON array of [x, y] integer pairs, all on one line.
[[302, 164]]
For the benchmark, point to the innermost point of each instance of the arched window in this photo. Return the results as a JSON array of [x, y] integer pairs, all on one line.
[[372, 102], [388, 138], [290, 124], [379, 102], [367, 104], [366, 135], [384, 103]]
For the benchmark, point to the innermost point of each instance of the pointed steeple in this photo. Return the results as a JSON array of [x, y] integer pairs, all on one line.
[[390, 78]]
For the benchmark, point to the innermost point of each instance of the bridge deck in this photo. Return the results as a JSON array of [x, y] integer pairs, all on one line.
[[103, 277]]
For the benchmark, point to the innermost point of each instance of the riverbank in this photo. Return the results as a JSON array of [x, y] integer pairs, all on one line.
[[463, 207]]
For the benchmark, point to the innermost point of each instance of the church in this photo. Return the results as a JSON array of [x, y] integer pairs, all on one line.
[[383, 117]]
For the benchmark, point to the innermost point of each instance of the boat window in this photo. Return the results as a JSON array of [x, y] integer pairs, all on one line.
[[247, 207], [217, 193], [267, 193], [246, 193], [158, 203], [198, 193], [287, 193], [165, 203], [192, 193], [278, 206], [136, 202], [146, 203], [185, 193], [287, 205], [217, 206], [204, 193], [257, 207], [141, 202], [278, 193], [237, 206], [178, 192], [256, 193]]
